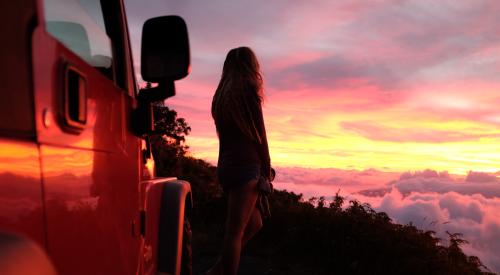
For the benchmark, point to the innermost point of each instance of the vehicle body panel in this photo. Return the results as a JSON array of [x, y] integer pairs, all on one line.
[[90, 178], [21, 189]]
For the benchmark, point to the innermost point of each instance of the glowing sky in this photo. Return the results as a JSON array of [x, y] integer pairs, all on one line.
[[388, 84]]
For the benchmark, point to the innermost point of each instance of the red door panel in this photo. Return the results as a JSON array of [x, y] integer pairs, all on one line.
[[90, 172], [21, 208]]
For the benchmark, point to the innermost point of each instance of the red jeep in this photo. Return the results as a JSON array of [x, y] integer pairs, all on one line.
[[78, 192]]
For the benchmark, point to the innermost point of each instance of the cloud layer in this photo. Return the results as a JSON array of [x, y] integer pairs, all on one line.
[[431, 200], [475, 216]]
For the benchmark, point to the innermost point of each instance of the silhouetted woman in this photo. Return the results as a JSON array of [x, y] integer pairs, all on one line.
[[243, 152]]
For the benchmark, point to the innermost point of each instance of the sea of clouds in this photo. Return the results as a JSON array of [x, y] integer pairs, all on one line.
[[430, 200]]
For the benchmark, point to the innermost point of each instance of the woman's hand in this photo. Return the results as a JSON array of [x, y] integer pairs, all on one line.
[[272, 174]]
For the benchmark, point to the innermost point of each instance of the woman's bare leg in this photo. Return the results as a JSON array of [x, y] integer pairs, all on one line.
[[243, 221], [241, 203], [253, 226]]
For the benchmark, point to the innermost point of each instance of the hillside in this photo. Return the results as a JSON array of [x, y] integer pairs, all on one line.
[[339, 238]]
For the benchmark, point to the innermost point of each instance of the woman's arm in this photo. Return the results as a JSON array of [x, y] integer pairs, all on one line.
[[263, 148]]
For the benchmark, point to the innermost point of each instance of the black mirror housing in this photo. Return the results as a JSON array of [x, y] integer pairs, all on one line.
[[165, 49], [164, 59]]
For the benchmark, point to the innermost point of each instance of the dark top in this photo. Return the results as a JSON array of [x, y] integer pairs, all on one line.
[[238, 150]]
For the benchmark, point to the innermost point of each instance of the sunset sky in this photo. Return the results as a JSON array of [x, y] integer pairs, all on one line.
[[364, 90], [392, 85]]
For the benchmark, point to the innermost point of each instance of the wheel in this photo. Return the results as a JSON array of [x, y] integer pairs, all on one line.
[[187, 252]]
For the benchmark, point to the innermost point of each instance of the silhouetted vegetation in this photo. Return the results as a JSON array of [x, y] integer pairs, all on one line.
[[168, 141], [316, 237]]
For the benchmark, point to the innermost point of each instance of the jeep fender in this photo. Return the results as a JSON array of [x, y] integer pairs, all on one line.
[[176, 200]]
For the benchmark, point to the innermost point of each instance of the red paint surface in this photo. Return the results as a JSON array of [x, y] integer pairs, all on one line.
[[90, 179], [21, 208]]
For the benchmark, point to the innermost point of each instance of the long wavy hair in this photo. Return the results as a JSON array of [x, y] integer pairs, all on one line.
[[240, 84]]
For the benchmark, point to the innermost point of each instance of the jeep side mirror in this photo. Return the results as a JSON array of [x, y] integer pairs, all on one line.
[[164, 55], [164, 59]]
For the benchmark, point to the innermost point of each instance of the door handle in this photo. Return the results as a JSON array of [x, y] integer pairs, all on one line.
[[75, 100]]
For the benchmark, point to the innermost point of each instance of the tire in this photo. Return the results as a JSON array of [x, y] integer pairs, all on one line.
[[187, 252]]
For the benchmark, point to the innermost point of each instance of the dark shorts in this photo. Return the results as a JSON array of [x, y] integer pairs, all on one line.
[[233, 176]]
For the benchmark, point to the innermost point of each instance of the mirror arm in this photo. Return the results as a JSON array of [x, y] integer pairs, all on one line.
[[164, 90], [142, 116], [142, 119]]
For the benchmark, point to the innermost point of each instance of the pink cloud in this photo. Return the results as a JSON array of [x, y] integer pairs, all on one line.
[[458, 209], [485, 184], [481, 177], [327, 181]]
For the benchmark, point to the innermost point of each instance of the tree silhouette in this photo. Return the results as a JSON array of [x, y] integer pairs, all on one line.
[[168, 139]]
